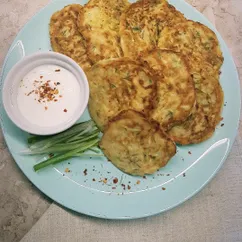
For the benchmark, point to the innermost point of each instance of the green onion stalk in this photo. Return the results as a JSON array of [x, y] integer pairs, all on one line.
[[70, 143]]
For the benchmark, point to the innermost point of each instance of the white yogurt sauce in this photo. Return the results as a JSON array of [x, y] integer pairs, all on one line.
[[48, 95]]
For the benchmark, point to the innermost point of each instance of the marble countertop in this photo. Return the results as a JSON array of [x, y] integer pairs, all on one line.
[[21, 204]]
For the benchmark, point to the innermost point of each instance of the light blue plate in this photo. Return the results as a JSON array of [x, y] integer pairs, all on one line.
[[184, 176]]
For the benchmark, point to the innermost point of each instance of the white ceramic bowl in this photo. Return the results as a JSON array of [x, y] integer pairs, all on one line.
[[23, 67]]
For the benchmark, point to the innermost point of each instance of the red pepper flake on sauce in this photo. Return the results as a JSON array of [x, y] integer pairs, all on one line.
[[30, 93], [115, 180], [85, 172], [65, 110]]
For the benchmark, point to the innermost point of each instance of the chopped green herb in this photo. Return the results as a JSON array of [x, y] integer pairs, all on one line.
[[159, 55], [207, 46], [170, 114], [127, 77], [112, 85], [198, 34], [136, 28]]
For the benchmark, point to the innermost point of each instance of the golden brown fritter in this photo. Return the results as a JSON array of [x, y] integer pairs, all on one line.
[[175, 96], [117, 85], [102, 44], [142, 22], [207, 114], [99, 24], [193, 40], [65, 37], [135, 145]]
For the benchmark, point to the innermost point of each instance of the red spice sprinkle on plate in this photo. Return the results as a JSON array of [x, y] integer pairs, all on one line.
[[222, 125], [163, 188], [46, 108], [85, 172], [115, 180], [129, 187], [58, 70], [67, 170], [138, 182], [65, 110], [189, 152], [94, 179], [41, 77]]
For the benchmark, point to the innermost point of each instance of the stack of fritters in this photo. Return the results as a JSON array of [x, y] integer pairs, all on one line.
[[145, 63]]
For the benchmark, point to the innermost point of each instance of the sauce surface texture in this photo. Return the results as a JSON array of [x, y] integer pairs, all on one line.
[[48, 95]]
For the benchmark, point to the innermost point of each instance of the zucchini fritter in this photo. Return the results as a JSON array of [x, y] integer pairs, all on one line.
[[135, 145], [141, 23], [99, 24], [117, 85], [193, 40], [201, 49], [65, 37], [175, 96]]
